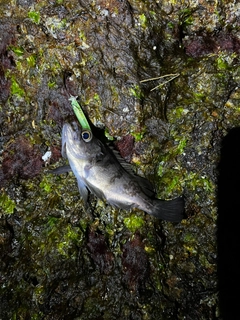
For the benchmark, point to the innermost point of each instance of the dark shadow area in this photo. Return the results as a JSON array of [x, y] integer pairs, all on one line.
[[228, 225]]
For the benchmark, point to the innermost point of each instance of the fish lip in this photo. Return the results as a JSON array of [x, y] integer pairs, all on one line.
[[69, 132], [67, 138], [67, 128]]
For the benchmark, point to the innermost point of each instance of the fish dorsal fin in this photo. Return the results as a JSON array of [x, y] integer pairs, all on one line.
[[126, 166]]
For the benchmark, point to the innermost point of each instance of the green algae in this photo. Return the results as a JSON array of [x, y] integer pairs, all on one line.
[[143, 20], [7, 204], [46, 184], [96, 97], [34, 16], [31, 60], [137, 134], [72, 237], [133, 223], [16, 89], [19, 51], [185, 16], [51, 84], [107, 135], [136, 92]]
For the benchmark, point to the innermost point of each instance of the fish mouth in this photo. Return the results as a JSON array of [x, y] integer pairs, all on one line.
[[72, 144], [67, 129], [69, 133]]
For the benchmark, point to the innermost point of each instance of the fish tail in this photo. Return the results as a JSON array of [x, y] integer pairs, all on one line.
[[169, 210]]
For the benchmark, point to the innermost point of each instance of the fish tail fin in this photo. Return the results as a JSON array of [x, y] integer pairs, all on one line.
[[169, 210]]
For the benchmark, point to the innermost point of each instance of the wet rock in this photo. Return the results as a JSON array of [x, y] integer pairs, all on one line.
[[135, 264], [99, 251], [170, 129], [21, 160]]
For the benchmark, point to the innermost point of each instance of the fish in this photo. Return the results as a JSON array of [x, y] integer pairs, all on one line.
[[99, 170]]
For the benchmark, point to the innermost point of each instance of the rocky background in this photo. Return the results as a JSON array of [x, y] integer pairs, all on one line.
[[62, 261]]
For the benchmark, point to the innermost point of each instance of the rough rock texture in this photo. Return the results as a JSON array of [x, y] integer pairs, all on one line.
[[62, 261]]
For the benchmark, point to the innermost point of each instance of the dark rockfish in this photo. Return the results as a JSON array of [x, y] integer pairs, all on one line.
[[99, 171]]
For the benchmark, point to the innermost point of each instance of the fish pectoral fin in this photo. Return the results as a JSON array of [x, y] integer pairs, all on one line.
[[83, 190], [96, 191], [60, 170]]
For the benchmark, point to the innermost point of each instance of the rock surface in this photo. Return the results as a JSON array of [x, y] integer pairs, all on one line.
[[61, 261]]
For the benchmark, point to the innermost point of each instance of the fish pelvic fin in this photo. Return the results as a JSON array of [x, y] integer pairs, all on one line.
[[169, 210], [83, 191], [60, 170]]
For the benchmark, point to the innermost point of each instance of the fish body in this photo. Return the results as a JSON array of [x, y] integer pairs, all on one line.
[[98, 170]]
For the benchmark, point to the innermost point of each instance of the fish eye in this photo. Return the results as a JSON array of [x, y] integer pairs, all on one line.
[[87, 136]]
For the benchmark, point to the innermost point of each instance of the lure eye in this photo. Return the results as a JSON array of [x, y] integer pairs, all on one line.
[[87, 136]]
